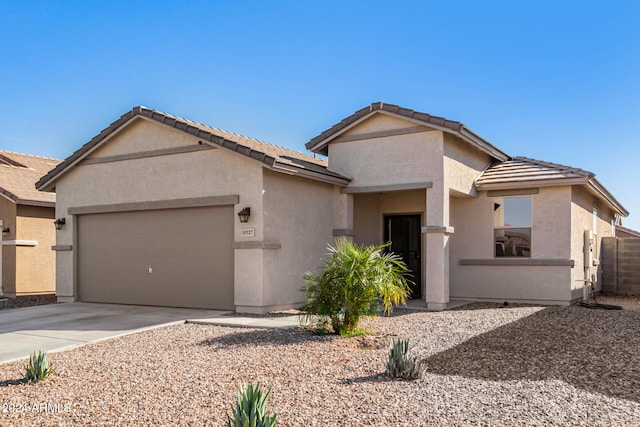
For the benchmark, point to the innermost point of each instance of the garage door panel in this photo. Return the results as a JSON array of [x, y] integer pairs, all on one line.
[[177, 257]]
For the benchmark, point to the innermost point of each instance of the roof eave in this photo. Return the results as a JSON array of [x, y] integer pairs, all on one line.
[[531, 183], [628, 230], [321, 146], [38, 203], [317, 176], [607, 197], [47, 182], [466, 134]]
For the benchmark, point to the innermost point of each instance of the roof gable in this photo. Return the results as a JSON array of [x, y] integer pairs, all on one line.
[[18, 175], [377, 123], [277, 158], [319, 143]]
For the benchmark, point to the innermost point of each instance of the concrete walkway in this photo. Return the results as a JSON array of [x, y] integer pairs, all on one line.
[[59, 327], [251, 322]]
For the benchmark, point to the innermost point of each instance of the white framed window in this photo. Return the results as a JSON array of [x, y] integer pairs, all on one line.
[[512, 226]]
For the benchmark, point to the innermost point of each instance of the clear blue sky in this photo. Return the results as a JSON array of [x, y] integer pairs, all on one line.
[[553, 80]]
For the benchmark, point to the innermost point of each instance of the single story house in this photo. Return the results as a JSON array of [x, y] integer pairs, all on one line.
[[164, 211], [26, 220]]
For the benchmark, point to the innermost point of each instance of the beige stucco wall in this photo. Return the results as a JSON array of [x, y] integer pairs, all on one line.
[[582, 204], [388, 160], [472, 220], [298, 214], [143, 135], [216, 172], [35, 265], [8, 216], [462, 165]]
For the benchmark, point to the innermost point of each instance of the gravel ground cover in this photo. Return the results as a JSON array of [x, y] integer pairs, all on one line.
[[486, 365], [29, 301]]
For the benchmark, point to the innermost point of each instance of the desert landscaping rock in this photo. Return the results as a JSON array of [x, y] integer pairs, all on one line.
[[486, 365], [27, 301]]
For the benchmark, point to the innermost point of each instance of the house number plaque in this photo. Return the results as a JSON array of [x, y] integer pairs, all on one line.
[[247, 232]]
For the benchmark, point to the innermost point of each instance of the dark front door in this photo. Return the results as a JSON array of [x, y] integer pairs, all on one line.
[[403, 232]]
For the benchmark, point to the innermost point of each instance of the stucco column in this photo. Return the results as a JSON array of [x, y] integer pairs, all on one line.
[[342, 215], [436, 260]]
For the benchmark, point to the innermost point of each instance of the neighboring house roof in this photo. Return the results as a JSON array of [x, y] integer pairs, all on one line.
[[276, 158], [19, 173], [523, 172], [319, 143], [626, 232]]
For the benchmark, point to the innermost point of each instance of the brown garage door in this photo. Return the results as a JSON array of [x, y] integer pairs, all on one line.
[[172, 257]]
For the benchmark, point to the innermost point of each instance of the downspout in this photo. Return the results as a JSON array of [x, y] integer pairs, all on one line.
[[588, 262]]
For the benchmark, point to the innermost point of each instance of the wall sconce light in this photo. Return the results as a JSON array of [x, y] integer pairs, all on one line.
[[6, 230], [244, 214], [59, 223]]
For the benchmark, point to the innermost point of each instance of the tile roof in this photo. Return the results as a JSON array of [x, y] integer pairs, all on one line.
[[521, 172], [524, 169], [18, 175], [275, 157], [319, 143]]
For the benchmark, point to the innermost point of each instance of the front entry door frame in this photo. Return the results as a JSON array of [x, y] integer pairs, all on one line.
[[406, 229]]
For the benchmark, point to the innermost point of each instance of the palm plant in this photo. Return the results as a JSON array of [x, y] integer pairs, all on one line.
[[353, 281]]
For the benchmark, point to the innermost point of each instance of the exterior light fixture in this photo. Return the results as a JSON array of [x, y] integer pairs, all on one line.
[[60, 222], [244, 214]]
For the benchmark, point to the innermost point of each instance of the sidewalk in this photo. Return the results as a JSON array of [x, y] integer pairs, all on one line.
[[286, 322]]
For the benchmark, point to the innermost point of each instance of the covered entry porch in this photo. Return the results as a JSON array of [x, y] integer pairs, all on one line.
[[409, 217]]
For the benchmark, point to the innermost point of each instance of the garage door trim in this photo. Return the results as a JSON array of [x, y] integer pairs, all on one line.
[[170, 257], [192, 202]]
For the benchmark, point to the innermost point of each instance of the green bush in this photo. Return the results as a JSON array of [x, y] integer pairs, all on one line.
[[354, 281], [38, 368], [400, 363], [250, 409]]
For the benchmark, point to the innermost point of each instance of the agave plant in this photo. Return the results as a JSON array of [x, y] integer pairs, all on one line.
[[38, 368], [250, 409], [401, 364]]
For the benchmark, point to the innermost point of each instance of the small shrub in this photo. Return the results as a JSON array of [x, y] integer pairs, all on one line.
[[401, 364], [250, 409], [357, 332], [38, 368], [354, 281], [321, 328]]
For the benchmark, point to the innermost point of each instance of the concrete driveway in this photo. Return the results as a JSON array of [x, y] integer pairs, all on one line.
[[62, 326]]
